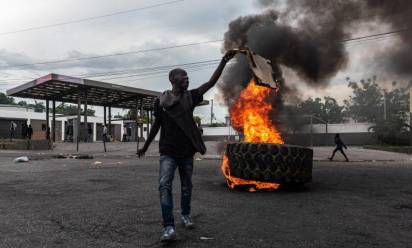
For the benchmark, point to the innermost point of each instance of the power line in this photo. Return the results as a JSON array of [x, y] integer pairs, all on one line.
[[176, 46], [163, 72], [375, 35], [91, 18], [351, 41], [111, 55], [363, 42], [135, 70], [162, 76], [145, 69]]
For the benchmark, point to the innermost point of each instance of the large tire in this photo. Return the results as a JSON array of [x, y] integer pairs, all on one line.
[[277, 163]]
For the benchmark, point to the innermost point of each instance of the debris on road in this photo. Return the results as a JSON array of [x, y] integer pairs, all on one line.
[[21, 159], [206, 238]]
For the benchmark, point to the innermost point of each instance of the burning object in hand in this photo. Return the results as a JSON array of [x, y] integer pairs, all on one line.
[[261, 69]]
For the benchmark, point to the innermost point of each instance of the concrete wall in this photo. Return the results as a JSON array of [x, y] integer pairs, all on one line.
[[327, 139], [14, 108], [317, 128], [116, 132], [319, 139], [338, 128], [213, 131], [38, 132], [58, 130], [24, 145]]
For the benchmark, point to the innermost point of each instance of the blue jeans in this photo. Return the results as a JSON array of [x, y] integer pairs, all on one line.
[[168, 165]]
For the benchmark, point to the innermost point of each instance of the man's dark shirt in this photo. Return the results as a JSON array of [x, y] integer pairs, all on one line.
[[173, 141]]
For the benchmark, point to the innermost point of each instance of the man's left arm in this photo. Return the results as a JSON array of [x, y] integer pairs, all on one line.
[[343, 144], [212, 81]]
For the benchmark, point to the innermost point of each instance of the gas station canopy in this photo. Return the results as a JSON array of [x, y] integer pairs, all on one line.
[[68, 89]]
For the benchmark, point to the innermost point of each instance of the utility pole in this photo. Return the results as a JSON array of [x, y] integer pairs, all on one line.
[[384, 105], [311, 130], [410, 116], [211, 112]]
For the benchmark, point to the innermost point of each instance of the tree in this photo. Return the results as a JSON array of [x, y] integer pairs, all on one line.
[[366, 104], [328, 110], [4, 99], [392, 129], [296, 116], [311, 107], [22, 103], [387, 108], [131, 115], [72, 110], [331, 112], [37, 106]]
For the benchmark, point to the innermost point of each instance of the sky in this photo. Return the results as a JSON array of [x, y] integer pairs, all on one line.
[[34, 31]]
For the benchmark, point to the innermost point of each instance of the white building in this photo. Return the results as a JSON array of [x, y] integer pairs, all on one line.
[[37, 120]]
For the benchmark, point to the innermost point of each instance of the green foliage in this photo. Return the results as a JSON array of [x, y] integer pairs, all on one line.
[[298, 115], [366, 104], [72, 110], [37, 106], [22, 103], [331, 112], [218, 124], [328, 110], [4, 99], [131, 115]]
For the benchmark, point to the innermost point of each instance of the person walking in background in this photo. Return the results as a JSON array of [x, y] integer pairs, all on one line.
[[29, 132], [104, 133], [89, 133], [339, 145], [70, 132], [124, 138], [24, 130], [13, 127]]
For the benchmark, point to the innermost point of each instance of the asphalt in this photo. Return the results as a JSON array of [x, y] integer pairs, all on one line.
[[113, 202]]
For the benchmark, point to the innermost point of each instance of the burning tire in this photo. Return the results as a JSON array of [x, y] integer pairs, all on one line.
[[275, 163]]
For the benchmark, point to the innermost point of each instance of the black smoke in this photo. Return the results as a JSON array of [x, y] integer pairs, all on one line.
[[307, 37]]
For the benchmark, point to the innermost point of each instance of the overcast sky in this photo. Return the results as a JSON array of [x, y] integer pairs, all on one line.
[[174, 23]]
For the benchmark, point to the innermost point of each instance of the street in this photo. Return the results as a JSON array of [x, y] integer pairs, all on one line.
[[112, 201]]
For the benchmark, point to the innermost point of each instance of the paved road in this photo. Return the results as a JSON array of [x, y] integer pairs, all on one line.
[[214, 150], [113, 202]]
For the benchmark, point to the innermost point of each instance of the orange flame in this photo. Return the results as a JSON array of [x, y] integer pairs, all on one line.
[[232, 181], [250, 115]]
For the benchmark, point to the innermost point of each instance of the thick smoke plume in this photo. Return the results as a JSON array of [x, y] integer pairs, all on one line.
[[308, 36]]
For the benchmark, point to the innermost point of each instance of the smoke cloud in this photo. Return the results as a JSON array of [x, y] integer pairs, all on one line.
[[308, 37]]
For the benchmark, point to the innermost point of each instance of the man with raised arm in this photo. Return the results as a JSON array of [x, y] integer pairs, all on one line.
[[180, 139]]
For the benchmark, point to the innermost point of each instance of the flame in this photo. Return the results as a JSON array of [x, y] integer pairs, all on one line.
[[232, 181], [250, 115]]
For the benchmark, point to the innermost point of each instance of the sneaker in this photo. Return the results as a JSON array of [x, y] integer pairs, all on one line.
[[169, 234], [187, 222]]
